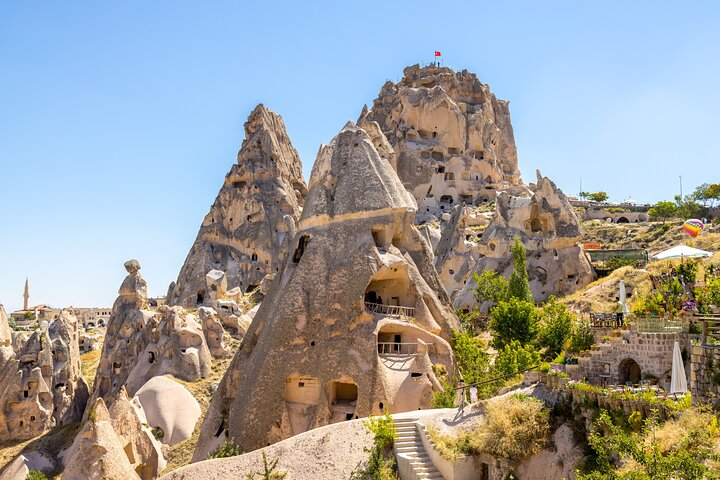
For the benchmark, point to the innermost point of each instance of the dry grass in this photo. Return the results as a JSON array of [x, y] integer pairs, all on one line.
[[692, 429], [89, 362], [514, 428], [180, 454], [50, 444], [599, 296]]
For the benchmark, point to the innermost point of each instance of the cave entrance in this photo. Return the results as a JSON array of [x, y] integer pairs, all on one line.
[[629, 372]]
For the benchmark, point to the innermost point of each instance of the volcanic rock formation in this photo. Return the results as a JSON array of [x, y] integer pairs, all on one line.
[[114, 444], [458, 250], [546, 224], [41, 387], [247, 232], [353, 324], [452, 138], [140, 344]]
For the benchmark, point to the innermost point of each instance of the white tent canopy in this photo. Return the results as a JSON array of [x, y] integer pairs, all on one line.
[[682, 251]]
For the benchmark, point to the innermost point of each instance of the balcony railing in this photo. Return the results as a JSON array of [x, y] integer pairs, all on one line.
[[659, 324], [400, 349], [390, 310]]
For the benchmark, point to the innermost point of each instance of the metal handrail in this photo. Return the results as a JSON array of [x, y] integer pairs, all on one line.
[[390, 310], [397, 348]]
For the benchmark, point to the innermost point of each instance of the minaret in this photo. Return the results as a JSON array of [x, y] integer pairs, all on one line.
[[26, 295]]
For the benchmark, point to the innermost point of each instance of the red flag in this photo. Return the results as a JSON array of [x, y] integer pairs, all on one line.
[[437, 54]]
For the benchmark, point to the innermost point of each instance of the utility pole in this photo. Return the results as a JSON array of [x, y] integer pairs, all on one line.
[[581, 190], [681, 196]]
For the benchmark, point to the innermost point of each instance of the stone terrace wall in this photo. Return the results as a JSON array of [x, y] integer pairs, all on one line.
[[651, 351], [705, 373]]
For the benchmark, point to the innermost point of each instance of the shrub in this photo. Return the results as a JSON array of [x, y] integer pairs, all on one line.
[[381, 462], [228, 448], [269, 472], [663, 211], [383, 429], [514, 320], [35, 475], [555, 326], [157, 432], [582, 337], [515, 427]]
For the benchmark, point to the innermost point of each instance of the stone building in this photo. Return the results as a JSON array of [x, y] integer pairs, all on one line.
[[356, 319], [247, 232], [632, 357], [452, 138], [92, 317]]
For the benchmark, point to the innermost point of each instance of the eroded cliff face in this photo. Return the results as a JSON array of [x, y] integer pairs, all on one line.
[[546, 224], [452, 138], [247, 232], [41, 387], [352, 324]]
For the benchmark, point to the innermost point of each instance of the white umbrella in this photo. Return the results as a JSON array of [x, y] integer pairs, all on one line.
[[623, 297], [682, 251], [678, 382]]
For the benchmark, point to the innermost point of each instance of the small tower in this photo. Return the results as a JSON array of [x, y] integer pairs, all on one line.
[[26, 295]]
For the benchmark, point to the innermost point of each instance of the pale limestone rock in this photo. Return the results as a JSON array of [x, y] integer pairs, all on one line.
[[546, 224], [311, 356], [19, 468], [140, 344], [247, 232], [458, 250], [171, 407], [114, 444], [453, 141], [41, 387], [214, 334]]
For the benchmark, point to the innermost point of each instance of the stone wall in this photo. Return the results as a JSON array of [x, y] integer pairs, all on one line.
[[612, 362], [705, 372]]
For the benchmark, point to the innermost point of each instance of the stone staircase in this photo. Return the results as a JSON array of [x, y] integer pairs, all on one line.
[[413, 461]]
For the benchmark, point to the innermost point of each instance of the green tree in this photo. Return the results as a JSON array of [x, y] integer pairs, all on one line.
[[490, 287], [519, 286], [582, 336], [663, 211], [584, 195], [598, 197], [515, 357], [472, 357], [555, 327], [514, 320], [707, 194], [688, 207]]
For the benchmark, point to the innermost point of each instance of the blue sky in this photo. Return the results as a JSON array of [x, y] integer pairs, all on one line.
[[119, 120]]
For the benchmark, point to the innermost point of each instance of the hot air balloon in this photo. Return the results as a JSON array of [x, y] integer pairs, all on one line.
[[693, 227]]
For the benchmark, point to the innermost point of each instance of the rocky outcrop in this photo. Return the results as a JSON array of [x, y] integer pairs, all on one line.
[[453, 140], [546, 224], [6, 339], [114, 444], [140, 343], [353, 323], [459, 248], [41, 387], [170, 407], [247, 232]]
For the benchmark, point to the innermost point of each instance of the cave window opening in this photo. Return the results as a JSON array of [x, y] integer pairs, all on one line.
[[254, 257], [200, 297], [300, 250], [441, 169]]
